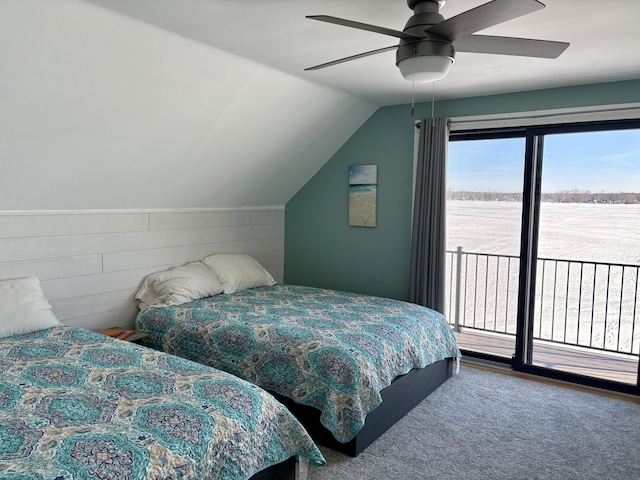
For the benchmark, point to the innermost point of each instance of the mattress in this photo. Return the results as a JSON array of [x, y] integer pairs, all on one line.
[[331, 350]]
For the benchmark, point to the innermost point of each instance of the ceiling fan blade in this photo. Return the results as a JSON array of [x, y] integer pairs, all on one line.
[[523, 47], [353, 57], [363, 26], [484, 16]]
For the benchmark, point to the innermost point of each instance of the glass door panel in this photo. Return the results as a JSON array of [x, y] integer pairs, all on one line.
[[587, 317], [484, 210]]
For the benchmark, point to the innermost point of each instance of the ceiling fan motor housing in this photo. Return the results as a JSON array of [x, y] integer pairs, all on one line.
[[413, 3], [425, 15]]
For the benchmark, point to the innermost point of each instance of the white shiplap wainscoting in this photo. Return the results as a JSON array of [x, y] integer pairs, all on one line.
[[91, 263]]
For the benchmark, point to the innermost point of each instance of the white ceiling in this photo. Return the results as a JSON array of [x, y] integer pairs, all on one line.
[[604, 37]]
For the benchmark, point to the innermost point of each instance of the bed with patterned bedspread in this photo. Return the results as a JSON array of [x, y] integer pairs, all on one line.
[[75, 404], [331, 350]]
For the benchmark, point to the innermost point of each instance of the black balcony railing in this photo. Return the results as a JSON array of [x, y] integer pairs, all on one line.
[[582, 303]]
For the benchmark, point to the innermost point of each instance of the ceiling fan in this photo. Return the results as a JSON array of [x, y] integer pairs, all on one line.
[[428, 43]]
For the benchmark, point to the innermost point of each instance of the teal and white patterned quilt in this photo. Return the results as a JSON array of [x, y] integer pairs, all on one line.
[[75, 404], [332, 350]]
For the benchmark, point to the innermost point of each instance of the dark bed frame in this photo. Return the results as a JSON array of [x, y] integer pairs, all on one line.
[[280, 471], [398, 399]]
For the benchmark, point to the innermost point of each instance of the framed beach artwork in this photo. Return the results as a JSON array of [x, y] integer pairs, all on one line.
[[363, 195]]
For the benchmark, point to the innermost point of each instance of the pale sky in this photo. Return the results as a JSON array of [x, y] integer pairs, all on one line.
[[594, 161]]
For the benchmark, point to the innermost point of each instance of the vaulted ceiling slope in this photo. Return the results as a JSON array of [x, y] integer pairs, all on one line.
[[604, 40], [99, 110]]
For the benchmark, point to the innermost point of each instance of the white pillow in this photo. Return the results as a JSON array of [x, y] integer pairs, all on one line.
[[238, 272], [24, 308], [177, 285]]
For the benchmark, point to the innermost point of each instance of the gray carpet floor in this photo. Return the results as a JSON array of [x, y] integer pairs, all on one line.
[[486, 425]]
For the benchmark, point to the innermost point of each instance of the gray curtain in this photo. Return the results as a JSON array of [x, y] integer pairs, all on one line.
[[426, 285]]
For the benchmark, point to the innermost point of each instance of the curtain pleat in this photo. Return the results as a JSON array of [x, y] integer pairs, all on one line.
[[426, 285]]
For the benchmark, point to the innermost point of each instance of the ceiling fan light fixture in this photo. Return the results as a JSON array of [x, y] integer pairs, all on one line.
[[425, 69]]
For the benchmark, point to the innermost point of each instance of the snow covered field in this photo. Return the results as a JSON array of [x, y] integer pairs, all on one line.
[[580, 297]]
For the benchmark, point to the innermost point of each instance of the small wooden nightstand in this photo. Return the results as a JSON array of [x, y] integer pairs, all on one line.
[[136, 337], [125, 334]]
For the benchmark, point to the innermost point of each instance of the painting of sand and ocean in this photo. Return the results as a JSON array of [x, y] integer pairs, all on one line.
[[363, 195]]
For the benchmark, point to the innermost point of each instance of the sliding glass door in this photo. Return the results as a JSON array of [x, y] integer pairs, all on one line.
[[586, 291], [543, 249], [484, 209]]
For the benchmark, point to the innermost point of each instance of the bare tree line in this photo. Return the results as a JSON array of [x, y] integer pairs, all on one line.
[[565, 196]]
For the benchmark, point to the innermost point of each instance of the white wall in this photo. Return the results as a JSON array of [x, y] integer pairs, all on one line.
[[102, 111], [91, 263]]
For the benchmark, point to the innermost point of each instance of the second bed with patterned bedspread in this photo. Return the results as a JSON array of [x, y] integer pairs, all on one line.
[[331, 350]]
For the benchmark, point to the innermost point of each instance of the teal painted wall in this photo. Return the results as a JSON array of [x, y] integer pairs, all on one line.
[[322, 250]]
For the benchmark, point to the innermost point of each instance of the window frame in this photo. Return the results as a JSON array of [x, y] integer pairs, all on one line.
[[534, 136]]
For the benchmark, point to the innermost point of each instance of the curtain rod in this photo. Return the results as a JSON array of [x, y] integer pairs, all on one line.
[[480, 119], [533, 116], [417, 124]]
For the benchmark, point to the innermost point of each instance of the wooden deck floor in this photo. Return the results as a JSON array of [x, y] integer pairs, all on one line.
[[609, 366]]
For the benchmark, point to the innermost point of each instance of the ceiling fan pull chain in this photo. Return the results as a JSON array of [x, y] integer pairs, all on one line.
[[433, 101], [413, 81]]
